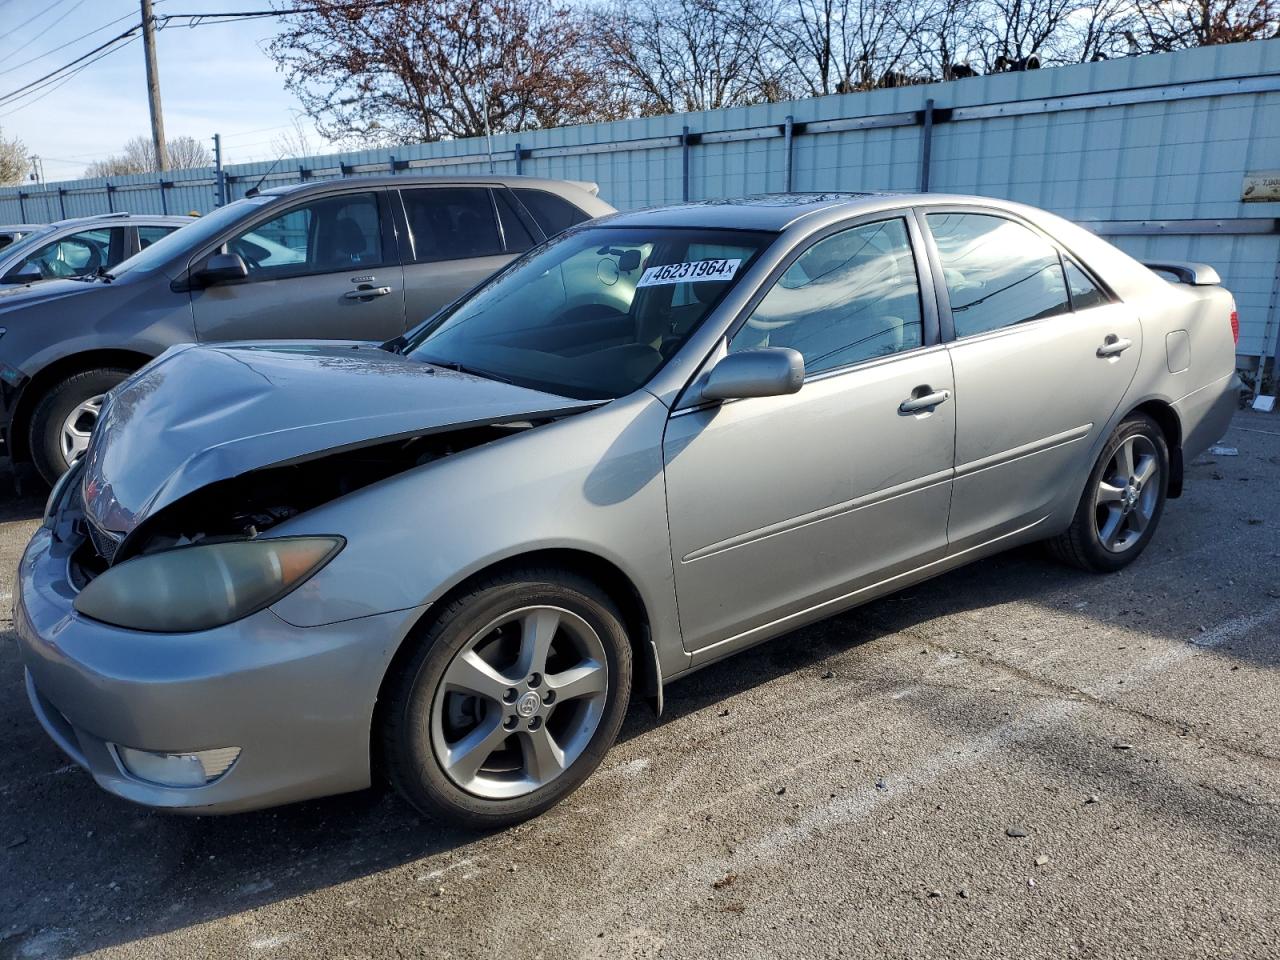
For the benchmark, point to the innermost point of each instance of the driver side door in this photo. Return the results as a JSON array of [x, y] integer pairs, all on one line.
[[786, 509], [325, 269]]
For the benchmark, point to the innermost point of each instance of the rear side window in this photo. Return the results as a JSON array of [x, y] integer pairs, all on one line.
[[1084, 292], [451, 223], [998, 272], [149, 235], [552, 213], [76, 255]]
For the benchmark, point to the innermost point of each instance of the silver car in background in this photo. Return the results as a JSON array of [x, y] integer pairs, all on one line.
[[647, 444], [81, 246]]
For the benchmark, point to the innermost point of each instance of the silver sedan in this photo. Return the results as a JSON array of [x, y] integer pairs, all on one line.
[[649, 443]]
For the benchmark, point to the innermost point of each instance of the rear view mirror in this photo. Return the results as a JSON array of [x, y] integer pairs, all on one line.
[[629, 261], [768, 372], [221, 268], [27, 273]]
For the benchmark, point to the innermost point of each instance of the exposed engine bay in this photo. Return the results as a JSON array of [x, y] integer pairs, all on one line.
[[248, 505]]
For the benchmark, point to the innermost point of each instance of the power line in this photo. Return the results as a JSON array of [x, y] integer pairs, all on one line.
[[38, 90], [102, 48], [63, 46]]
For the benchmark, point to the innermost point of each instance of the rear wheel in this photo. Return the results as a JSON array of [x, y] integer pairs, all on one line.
[[1122, 502], [65, 417], [509, 701]]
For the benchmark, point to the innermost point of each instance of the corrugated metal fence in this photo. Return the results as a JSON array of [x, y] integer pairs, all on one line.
[[1150, 151]]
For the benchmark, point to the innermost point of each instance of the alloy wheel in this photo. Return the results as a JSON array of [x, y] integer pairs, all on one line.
[[520, 702], [1128, 494], [78, 426]]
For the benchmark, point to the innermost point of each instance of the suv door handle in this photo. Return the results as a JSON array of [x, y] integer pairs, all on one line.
[[366, 292], [925, 402], [1113, 346]]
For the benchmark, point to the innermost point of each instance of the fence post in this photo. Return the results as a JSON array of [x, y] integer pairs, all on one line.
[[684, 164], [926, 145], [392, 163], [62, 205], [164, 202], [22, 208], [788, 138], [519, 159], [219, 178], [110, 205]]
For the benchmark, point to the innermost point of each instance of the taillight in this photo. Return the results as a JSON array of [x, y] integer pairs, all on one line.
[[1235, 326]]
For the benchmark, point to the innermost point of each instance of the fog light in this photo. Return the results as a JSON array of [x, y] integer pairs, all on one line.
[[178, 769]]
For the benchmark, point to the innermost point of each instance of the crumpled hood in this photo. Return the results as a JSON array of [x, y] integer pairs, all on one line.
[[199, 414]]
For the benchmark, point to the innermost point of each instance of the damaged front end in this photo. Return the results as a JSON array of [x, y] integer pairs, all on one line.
[[221, 445]]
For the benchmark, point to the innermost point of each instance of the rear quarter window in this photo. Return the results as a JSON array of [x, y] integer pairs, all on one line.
[[552, 213]]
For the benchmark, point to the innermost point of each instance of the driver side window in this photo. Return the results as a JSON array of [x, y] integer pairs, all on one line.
[[75, 255], [850, 297], [325, 236]]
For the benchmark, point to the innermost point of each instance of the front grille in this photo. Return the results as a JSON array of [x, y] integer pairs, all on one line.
[[103, 542]]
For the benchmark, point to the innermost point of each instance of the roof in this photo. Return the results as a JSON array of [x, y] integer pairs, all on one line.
[[775, 211], [124, 217], [19, 227]]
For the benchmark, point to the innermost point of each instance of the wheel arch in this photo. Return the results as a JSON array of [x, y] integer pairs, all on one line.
[[607, 575], [54, 372], [1166, 417]]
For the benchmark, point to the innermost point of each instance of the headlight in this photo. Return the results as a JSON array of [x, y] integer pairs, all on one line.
[[197, 588]]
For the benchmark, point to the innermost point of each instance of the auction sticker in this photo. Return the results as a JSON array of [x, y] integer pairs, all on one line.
[[691, 271]]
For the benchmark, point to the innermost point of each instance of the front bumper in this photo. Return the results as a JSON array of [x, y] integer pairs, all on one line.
[[297, 701]]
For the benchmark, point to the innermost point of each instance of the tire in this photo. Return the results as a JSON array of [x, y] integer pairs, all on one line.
[[1117, 517], [427, 715], [53, 410]]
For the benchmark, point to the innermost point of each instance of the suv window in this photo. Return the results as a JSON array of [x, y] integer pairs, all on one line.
[[324, 236], [850, 297], [552, 213], [517, 235], [149, 235], [998, 272], [451, 223], [77, 254]]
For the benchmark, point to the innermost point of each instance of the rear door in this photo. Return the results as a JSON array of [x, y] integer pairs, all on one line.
[[454, 237], [1042, 358], [324, 268]]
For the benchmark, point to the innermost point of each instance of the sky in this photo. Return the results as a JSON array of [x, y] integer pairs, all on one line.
[[215, 78]]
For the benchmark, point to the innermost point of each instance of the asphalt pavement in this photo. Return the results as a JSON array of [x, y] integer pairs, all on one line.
[[1014, 760]]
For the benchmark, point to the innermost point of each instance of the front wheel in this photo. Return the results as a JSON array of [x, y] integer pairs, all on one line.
[[509, 700], [65, 417], [1122, 502]]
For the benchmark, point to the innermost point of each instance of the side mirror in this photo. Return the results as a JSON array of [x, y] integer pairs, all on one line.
[[768, 372], [220, 268], [27, 273]]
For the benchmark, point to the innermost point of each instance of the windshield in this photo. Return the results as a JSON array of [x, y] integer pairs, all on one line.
[[592, 314], [191, 236], [27, 241]]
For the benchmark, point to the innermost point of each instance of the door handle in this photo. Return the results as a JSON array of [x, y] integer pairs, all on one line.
[[366, 292], [1113, 346], [925, 402]]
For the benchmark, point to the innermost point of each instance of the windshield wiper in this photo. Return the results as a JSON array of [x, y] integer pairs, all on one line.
[[463, 368], [101, 274]]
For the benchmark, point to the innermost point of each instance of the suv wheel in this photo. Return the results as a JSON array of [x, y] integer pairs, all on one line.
[[65, 417], [509, 701]]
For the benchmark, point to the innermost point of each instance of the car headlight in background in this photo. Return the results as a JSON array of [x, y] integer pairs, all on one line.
[[201, 587]]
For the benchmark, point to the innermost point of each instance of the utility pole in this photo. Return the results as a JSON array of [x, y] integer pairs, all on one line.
[[153, 86]]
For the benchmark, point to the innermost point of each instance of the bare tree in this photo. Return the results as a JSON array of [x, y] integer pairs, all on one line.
[[1169, 25], [138, 156], [14, 160], [1097, 31], [408, 70], [838, 46], [672, 56], [294, 142]]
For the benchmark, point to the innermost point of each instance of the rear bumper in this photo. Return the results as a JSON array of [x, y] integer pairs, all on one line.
[[297, 701], [1205, 414]]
